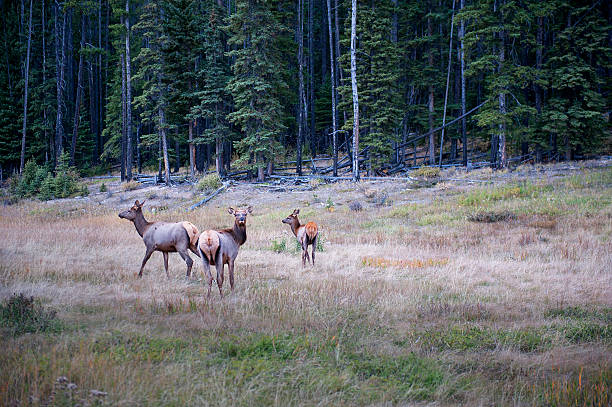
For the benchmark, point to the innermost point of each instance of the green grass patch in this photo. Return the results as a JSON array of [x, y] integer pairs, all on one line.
[[590, 179], [124, 347], [20, 314], [580, 313], [487, 196], [403, 377], [471, 338]]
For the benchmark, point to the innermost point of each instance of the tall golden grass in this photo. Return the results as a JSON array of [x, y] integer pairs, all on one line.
[[390, 283]]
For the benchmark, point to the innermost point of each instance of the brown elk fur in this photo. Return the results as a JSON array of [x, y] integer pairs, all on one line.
[[306, 234], [220, 247], [164, 237]]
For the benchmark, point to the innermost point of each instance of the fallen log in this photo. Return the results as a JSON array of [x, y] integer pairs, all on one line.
[[209, 197]]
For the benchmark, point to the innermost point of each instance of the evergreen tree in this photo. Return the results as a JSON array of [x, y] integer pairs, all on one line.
[[256, 85]]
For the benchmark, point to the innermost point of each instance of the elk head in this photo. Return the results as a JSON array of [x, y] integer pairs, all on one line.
[[290, 219], [131, 213], [240, 215]]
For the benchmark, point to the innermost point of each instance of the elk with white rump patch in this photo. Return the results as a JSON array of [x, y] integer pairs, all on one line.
[[306, 234], [220, 247], [163, 236]]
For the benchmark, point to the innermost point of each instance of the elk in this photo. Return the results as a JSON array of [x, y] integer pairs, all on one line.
[[306, 234], [164, 237], [220, 247]]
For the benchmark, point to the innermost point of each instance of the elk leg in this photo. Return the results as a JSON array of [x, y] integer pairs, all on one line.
[[144, 261], [188, 260], [230, 267], [206, 267], [166, 264], [220, 275], [305, 255], [314, 246]]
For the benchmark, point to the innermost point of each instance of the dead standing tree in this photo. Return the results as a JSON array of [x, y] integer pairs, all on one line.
[[354, 88]]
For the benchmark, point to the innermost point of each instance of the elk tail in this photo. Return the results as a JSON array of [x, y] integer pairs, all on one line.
[[194, 234], [209, 245]]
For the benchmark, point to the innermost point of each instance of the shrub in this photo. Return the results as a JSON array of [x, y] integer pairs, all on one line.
[[103, 187], [491, 217], [130, 186], [427, 172], [47, 188], [279, 246], [23, 314], [209, 182], [29, 183], [37, 181]]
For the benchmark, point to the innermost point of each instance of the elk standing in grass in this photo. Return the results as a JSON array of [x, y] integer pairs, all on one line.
[[164, 237], [220, 247], [306, 234]]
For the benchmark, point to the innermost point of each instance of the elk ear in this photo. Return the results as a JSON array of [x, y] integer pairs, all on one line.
[[142, 203], [231, 210], [137, 203], [250, 209], [296, 211]]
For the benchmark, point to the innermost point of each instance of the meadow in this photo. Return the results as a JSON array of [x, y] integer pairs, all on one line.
[[496, 292]]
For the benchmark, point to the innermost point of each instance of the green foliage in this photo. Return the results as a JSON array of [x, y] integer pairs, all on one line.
[[427, 172], [103, 187], [209, 183], [36, 181], [278, 245], [21, 314], [256, 86], [513, 191]]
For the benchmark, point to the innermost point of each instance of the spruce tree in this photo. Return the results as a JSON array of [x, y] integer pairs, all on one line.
[[256, 84]]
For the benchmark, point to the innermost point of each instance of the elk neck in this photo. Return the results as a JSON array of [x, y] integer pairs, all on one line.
[[295, 225], [141, 223], [238, 233]]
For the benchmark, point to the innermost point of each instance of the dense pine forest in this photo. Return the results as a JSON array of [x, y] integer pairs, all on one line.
[[245, 85]]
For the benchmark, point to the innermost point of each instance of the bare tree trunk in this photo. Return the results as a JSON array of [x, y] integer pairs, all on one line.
[[79, 95], [191, 151], [300, 32], [25, 94], [355, 93], [340, 78], [123, 118], [431, 153], [502, 107], [60, 44], [100, 102], [91, 83], [463, 121], [332, 65], [128, 94], [138, 161], [311, 95], [450, 55], [177, 148], [260, 168], [164, 143], [219, 156], [537, 87], [44, 78]]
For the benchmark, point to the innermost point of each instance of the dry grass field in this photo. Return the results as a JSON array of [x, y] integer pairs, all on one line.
[[496, 292]]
